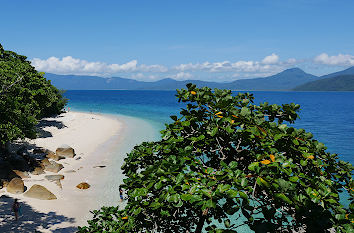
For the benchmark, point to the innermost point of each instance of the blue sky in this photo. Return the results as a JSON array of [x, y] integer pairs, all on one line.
[[219, 40]]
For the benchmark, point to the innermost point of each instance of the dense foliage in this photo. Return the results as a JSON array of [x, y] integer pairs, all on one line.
[[226, 162], [25, 97]]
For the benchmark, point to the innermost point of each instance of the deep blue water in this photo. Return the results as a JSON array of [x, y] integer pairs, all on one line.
[[328, 115]]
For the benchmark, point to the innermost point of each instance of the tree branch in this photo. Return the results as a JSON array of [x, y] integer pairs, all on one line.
[[4, 88]]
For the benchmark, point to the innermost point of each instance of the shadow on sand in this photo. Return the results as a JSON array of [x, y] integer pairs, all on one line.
[[42, 133], [30, 220]]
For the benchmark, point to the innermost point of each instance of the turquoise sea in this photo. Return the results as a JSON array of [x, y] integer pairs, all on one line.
[[328, 115]]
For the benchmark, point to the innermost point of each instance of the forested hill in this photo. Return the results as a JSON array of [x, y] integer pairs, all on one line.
[[337, 83], [286, 80]]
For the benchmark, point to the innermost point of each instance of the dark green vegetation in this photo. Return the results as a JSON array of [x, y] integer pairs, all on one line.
[[226, 162], [337, 83], [25, 97], [286, 80]]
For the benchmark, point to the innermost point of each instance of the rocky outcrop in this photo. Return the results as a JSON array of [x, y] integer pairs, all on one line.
[[65, 151], [54, 177], [83, 185], [16, 186], [45, 162], [37, 171], [22, 174], [53, 167], [40, 192], [52, 155]]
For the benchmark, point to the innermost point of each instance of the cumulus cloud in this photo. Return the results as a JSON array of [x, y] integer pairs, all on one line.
[[271, 59], [70, 65], [219, 70], [338, 60], [181, 76], [268, 64]]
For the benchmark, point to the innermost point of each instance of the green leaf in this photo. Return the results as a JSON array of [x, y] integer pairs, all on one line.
[[179, 178], [227, 223], [253, 166], [232, 193], [158, 185], [186, 196], [233, 164], [244, 182], [243, 195], [260, 181], [210, 204], [294, 179], [245, 111], [303, 163], [214, 131], [283, 197], [185, 123]]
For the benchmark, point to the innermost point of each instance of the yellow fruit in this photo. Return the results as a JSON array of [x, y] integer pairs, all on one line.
[[272, 157], [311, 157], [126, 217], [265, 162], [193, 92], [235, 116]]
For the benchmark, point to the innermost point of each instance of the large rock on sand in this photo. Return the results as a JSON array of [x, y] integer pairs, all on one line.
[[40, 192], [53, 167], [65, 151], [15, 186], [54, 177], [45, 162], [37, 171], [52, 155], [22, 174], [83, 185]]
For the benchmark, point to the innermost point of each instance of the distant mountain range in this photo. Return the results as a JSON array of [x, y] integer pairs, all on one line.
[[336, 83], [290, 79]]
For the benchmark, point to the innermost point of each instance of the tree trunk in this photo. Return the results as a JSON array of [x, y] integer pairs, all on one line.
[[200, 224]]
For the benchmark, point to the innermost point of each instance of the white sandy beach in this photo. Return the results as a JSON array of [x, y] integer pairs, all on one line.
[[92, 137]]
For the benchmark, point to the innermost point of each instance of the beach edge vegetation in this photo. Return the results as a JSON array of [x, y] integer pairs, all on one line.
[[25, 97], [225, 163]]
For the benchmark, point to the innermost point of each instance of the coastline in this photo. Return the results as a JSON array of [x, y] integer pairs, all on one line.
[[94, 138]]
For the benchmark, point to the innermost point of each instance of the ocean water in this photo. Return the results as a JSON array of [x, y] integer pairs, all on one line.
[[328, 115]]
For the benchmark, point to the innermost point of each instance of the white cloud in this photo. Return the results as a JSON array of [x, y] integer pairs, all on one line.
[[181, 76], [219, 70], [271, 59], [339, 60], [268, 64], [70, 65]]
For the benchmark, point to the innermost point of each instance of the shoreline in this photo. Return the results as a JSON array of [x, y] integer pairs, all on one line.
[[94, 137]]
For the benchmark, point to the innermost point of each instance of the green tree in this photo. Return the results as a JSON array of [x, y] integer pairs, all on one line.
[[25, 97], [226, 162]]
